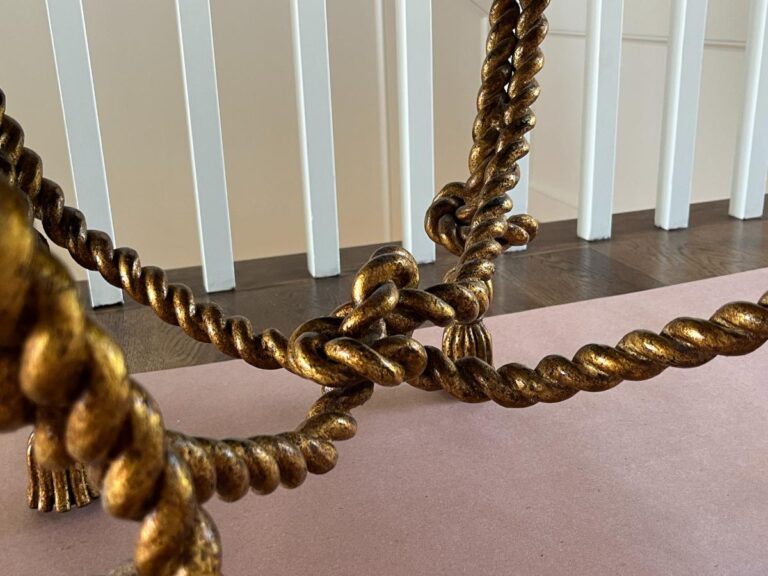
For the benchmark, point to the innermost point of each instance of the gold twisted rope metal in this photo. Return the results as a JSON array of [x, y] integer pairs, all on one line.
[[368, 340], [463, 214], [62, 373]]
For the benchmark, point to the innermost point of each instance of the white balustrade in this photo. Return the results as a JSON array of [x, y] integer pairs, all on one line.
[[601, 111], [415, 96], [81, 119], [681, 113], [204, 126], [417, 149], [313, 88], [751, 166]]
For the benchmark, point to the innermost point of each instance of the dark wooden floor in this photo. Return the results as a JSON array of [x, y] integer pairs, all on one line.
[[557, 268]]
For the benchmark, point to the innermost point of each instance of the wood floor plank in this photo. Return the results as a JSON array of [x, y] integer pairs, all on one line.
[[695, 254], [150, 344], [565, 276]]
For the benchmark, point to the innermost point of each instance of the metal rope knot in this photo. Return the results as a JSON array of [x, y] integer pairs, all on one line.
[[368, 339], [449, 218], [319, 351]]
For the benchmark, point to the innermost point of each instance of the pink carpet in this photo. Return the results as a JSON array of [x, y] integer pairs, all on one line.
[[662, 477]]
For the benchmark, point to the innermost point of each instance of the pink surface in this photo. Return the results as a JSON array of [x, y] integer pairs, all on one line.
[[662, 477]]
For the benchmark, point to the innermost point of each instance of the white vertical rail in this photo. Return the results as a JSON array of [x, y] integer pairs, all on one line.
[[417, 154], [383, 111], [313, 93], [207, 151], [81, 119], [684, 62], [751, 166], [601, 111], [519, 193]]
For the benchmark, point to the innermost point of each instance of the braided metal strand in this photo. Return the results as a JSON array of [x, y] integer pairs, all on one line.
[[65, 375], [329, 351], [338, 360], [488, 236], [121, 267], [735, 329], [471, 219], [513, 59], [230, 467], [60, 371], [492, 98], [463, 301]]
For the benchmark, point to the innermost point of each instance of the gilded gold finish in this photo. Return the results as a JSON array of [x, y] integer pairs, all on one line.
[[57, 489], [62, 373], [469, 218], [59, 371]]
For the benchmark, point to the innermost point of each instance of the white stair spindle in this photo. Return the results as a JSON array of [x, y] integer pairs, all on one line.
[[417, 155], [207, 150], [684, 62], [751, 165], [81, 119], [313, 88], [601, 110]]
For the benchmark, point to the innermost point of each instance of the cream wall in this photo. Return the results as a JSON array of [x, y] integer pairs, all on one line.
[[137, 72]]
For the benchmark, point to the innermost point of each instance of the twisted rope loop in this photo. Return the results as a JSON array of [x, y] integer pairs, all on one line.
[[369, 339]]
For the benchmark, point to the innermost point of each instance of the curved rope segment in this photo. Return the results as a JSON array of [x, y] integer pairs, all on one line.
[[60, 372]]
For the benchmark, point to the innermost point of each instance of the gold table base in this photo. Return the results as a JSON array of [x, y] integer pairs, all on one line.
[[95, 427]]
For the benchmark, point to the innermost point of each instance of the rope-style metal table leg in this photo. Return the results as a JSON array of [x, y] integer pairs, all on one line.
[[61, 372], [64, 375]]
